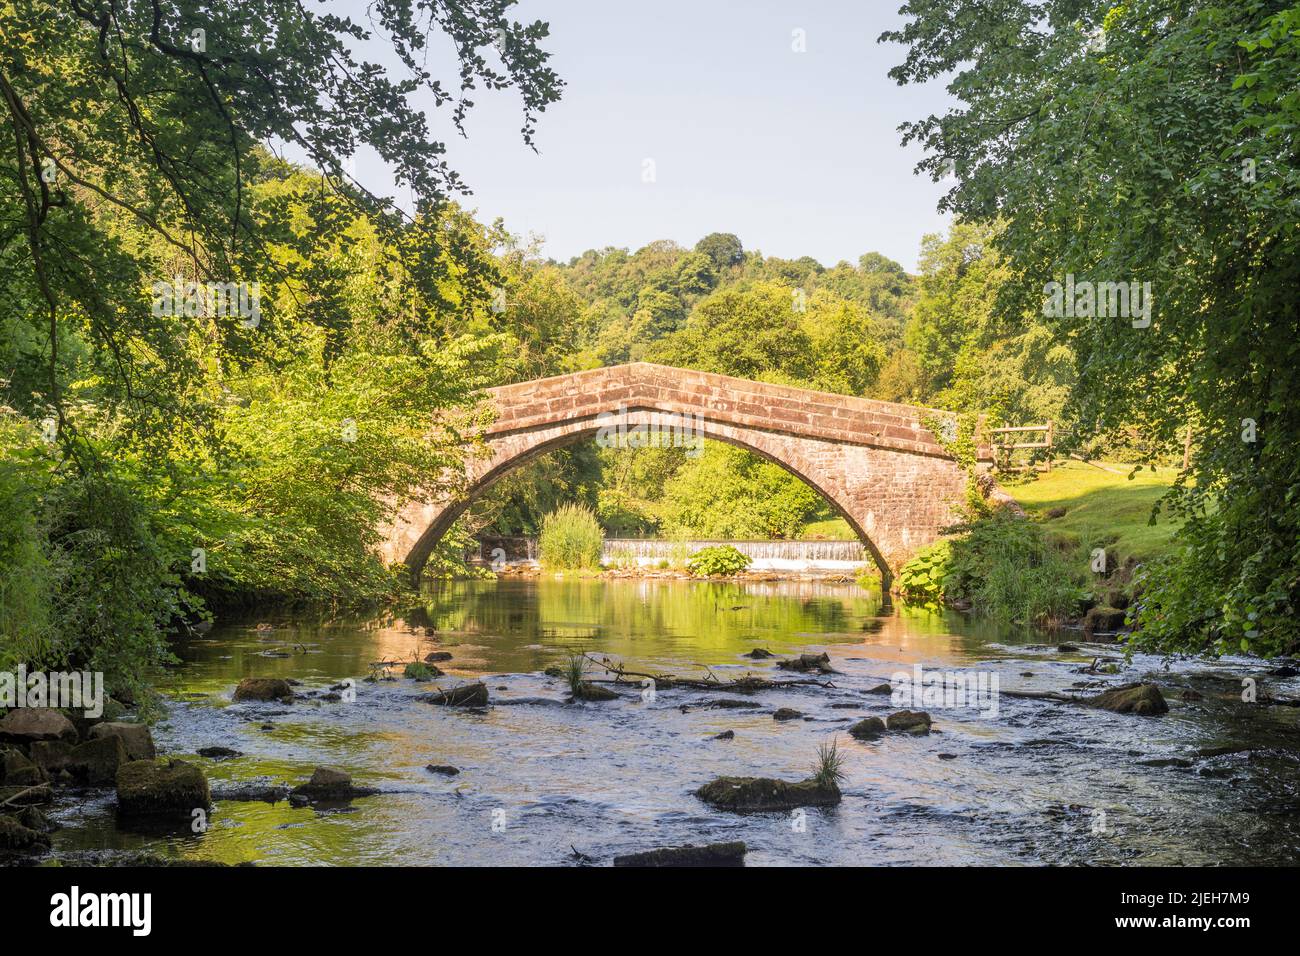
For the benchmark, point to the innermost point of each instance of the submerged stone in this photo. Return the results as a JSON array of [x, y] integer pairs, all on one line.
[[712, 854]]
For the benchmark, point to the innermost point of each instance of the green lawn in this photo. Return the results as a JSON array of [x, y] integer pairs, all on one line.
[[833, 529], [1102, 509]]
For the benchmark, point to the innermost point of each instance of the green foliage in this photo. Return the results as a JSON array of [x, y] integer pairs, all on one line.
[[828, 770], [1004, 566], [718, 560], [1184, 168], [727, 492], [922, 580], [418, 670], [574, 673], [571, 539]]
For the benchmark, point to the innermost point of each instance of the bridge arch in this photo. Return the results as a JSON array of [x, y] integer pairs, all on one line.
[[875, 462]]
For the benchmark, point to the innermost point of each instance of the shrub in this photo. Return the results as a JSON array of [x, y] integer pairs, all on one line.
[[719, 559], [922, 580], [1005, 566], [571, 538]]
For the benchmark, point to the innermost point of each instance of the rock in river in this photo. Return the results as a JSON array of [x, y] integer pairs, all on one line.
[[589, 691], [23, 725], [909, 722], [713, 854], [96, 762], [329, 784], [466, 695], [15, 836], [765, 795], [1143, 699], [868, 728], [135, 737], [264, 688], [161, 788], [818, 663], [787, 713]]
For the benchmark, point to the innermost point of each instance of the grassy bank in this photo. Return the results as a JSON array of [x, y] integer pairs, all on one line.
[[1101, 509]]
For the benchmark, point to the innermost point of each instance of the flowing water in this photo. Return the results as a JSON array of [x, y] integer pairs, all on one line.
[[542, 780]]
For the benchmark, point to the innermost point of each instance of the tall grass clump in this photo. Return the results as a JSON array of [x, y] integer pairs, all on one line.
[[828, 770], [571, 539]]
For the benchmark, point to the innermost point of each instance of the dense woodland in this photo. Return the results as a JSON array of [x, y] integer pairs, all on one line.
[[156, 464]]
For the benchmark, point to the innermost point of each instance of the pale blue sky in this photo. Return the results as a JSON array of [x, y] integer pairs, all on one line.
[[796, 153]]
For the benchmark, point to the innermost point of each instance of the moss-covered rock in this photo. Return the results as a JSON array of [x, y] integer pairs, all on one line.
[[135, 737], [808, 663], [16, 837], [161, 788], [418, 670], [16, 770], [1144, 699], [466, 695], [329, 784], [264, 688], [96, 762], [589, 691], [787, 713], [909, 722], [765, 795], [713, 854], [434, 657], [868, 728]]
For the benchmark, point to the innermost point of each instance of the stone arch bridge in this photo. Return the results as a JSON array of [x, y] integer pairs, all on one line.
[[875, 462]]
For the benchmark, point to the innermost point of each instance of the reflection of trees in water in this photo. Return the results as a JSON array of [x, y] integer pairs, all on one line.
[[653, 618]]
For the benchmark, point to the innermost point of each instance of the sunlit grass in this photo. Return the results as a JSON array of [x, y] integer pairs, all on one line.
[[1102, 509]]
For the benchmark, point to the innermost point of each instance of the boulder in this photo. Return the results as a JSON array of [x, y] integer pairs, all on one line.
[[112, 710], [787, 713], [884, 689], [264, 688], [765, 795], [1143, 699], [1102, 620], [18, 771], [725, 735], [161, 788], [466, 695], [135, 737], [447, 770], [433, 657], [713, 854], [868, 728], [50, 755], [96, 762], [23, 725], [758, 654], [909, 722], [15, 836]]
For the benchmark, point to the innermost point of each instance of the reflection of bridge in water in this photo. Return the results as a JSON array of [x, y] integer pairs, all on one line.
[[876, 463]]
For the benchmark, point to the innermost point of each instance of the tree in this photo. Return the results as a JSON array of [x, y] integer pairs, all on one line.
[[723, 249], [1151, 143]]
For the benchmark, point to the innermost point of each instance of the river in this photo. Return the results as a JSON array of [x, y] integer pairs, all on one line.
[[543, 781]]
